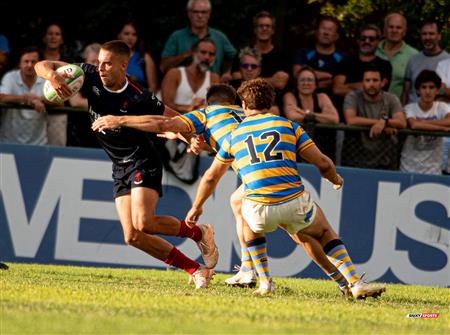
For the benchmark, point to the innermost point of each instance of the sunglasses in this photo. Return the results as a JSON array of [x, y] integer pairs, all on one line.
[[368, 38], [248, 66]]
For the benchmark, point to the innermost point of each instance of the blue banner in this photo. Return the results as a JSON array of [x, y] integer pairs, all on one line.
[[56, 207]]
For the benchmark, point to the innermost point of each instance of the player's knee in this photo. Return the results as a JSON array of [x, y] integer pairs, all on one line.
[[236, 203], [131, 237], [143, 223]]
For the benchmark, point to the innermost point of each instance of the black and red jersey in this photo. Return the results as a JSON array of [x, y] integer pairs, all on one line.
[[125, 144]]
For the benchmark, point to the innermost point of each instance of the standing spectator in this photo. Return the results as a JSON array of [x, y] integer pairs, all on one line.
[[350, 71], [27, 125], [141, 67], [423, 154], [275, 66], [79, 123], [394, 49], [305, 105], [53, 50], [178, 48], [427, 59], [382, 112], [443, 70], [324, 58], [250, 68]]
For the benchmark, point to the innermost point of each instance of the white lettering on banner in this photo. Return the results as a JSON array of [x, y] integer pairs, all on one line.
[[396, 210]]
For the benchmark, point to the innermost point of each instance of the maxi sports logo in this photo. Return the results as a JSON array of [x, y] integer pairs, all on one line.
[[422, 315]]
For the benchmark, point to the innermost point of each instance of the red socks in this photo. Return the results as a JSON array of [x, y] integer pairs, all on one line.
[[178, 259], [193, 232]]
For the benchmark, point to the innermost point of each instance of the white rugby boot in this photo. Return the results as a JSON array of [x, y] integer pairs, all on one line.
[[202, 277], [242, 278], [207, 246], [362, 289], [266, 287]]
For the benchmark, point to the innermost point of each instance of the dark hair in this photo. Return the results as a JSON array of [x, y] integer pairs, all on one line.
[[427, 76], [117, 47], [374, 68], [257, 94], [194, 47], [331, 19], [29, 49], [221, 94], [431, 22], [261, 14], [308, 68], [370, 26]]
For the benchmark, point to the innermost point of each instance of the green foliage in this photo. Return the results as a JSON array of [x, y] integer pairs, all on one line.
[[353, 12], [43, 299]]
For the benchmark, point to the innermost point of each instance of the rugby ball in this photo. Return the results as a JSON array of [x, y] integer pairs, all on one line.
[[74, 77]]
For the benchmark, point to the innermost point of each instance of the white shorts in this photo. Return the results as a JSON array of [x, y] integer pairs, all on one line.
[[294, 215]]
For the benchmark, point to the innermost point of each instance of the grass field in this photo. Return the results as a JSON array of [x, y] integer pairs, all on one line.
[[42, 299]]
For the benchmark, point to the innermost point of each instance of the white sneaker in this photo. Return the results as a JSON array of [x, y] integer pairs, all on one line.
[[202, 277], [242, 278], [265, 288], [362, 289], [207, 246]]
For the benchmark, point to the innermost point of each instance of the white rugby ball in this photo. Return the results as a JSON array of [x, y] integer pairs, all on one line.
[[74, 77]]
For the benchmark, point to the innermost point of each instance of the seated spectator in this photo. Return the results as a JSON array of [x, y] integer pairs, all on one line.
[[423, 154], [324, 58], [275, 65], [350, 71], [250, 68], [27, 125], [184, 89], [178, 48], [306, 105], [141, 67], [79, 123], [383, 113], [427, 59]]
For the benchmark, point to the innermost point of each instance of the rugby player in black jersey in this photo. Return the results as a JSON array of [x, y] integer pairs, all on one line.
[[137, 167]]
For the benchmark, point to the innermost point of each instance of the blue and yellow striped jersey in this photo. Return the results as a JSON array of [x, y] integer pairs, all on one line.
[[264, 149], [214, 122]]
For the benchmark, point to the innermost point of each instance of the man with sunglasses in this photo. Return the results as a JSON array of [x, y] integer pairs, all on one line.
[[349, 75], [177, 50]]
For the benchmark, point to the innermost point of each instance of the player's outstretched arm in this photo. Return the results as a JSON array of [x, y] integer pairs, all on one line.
[[46, 69], [324, 164], [207, 186]]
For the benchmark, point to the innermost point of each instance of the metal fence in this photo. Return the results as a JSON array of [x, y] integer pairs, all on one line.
[[345, 145]]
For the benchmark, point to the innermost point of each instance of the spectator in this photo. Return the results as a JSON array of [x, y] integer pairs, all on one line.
[[274, 63], [443, 70], [53, 50], [27, 125], [79, 123], [141, 68], [305, 105], [250, 68], [184, 89], [394, 49], [382, 112], [178, 48], [324, 58], [350, 70], [4, 53], [427, 59], [423, 154]]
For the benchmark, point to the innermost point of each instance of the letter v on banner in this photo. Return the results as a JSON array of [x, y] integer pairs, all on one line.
[[26, 235]]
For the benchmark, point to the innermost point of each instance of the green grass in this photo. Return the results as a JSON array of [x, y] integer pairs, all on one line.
[[42, 299]]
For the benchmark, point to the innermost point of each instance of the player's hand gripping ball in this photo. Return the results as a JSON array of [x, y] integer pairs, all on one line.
[[74, 78]]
